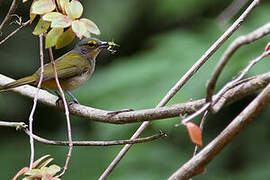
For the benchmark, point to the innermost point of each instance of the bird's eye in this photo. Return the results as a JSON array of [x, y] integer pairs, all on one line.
[[92, 43]]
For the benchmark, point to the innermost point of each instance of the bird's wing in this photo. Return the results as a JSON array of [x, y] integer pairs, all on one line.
[[68, 65]]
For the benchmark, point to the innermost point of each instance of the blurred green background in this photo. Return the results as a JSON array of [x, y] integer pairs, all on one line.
[[160, 40]]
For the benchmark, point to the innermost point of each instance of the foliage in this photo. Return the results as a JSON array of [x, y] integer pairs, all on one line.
[[61, 16]]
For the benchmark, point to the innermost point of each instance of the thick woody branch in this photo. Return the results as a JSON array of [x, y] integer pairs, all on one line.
[[196, 165], [244, 88]]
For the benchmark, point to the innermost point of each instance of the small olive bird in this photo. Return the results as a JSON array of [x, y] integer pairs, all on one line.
[[73, 68]]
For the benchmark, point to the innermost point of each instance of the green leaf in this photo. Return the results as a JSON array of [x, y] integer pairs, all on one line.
[[80, 29], [53, 169], [52, 16], [65, 39], [61, 22], [42, 6], [41, 27], [53, 36], [90, 26], [74, 9]]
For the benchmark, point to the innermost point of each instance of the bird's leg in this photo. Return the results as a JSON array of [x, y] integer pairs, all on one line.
[[73, 98]]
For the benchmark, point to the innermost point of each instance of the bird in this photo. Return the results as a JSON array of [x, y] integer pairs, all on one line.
[[73, 68]]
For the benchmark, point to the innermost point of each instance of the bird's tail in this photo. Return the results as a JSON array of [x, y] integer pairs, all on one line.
[[19, 82]]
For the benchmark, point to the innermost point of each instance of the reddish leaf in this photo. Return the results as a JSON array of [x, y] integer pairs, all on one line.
[[21, 172], [195, 133], [267, 48]]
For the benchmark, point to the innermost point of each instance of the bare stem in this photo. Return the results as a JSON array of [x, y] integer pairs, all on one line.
[[66, 113], [31, 116]]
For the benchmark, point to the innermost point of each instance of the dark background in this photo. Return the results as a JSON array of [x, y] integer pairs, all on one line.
[[160, 40]]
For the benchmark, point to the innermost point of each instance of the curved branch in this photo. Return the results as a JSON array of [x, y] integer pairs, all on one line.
[[243, 88]]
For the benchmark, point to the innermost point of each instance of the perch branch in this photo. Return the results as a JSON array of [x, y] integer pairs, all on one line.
[[243, 89]]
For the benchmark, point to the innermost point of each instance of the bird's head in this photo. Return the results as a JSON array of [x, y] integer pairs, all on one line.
[[91, 47]]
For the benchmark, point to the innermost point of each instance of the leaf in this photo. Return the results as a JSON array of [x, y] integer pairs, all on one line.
[[267, 49], [40, 159], [74, 9], [194, 132], [80, 29], [45, 163], [52, 16], [32, 16], [21, 172], [53, 169], [65, 39], [61, 22], [42, 6], [53, 36], [90, 26], [61, 4], [24, 1], [41, 27]]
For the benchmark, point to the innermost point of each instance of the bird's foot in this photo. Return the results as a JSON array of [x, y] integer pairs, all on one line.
[[119, 111], [59, 103]]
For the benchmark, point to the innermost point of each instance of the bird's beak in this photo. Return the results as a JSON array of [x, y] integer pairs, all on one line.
[[109, 46]]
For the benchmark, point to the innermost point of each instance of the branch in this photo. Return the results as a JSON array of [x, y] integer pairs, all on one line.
[[97, 143], [196, 165], [22, 125], [234, 46], [243, 89], [15, 31], [9, 15]]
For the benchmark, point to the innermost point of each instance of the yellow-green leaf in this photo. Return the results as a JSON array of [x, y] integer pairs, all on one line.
[[42, 6], [90, 26], [65, 39], [32, 16], [61, 4], [74, 9], [53, 169], [80, 29], [52, 16], [61, 22], [41, 27], [53, 36]]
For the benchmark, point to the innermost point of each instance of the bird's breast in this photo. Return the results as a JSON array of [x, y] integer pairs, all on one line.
[[76, 81]]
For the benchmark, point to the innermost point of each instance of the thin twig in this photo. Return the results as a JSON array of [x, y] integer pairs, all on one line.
[[236, 44], [15, 31], [197, 164], [227, 86], [244, 88], [182, 81], [17, 125], [97, 143], [35, 102], [66, 113], [9, 15]]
